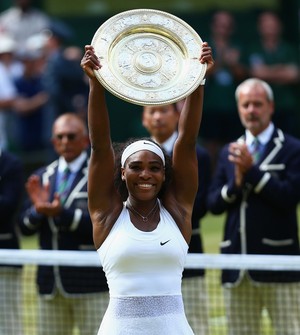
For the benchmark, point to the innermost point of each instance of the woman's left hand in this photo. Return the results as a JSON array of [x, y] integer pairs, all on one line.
[[206, 56]]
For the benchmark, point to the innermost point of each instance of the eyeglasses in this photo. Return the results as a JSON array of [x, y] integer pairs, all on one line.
[[69, 136]]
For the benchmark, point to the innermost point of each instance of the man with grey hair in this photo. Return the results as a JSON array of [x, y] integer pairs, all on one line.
[[257, 185]]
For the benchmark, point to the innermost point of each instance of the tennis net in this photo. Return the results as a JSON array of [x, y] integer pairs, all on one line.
[[211, 293]]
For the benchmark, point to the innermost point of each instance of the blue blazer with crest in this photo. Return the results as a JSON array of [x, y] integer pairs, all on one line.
[[72, 230], [261, 217]]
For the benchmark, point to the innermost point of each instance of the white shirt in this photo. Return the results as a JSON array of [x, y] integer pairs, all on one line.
[[263, 137], [74, 167], [168, 145]]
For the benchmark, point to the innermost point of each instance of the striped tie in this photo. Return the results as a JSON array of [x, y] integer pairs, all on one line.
[[63, 185], [256, 150]]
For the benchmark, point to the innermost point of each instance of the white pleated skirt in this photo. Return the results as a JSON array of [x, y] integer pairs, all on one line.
[[150, 315]]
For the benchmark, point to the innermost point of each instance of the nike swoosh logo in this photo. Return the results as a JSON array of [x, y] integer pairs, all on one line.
[[163, 243]]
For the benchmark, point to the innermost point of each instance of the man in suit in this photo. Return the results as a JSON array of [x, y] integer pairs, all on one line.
[[68, 296], [11, 193], [161, 123], [258, 187]]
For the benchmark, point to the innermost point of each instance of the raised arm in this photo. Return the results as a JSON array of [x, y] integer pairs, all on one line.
[[185, 180], [104, 202]]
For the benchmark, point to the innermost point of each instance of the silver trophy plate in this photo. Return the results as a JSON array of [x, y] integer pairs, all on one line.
[[148, 57]]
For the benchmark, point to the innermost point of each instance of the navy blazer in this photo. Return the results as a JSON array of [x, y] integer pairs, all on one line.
[[11, 193], [261, 218], [72, 230]]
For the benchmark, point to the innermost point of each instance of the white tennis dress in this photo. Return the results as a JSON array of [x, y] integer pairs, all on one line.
[[144, 272]]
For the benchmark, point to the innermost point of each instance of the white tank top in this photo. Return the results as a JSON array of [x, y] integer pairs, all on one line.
[[138, 263]]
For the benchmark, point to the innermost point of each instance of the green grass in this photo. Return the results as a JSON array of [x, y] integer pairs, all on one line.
[[211, 231], [29, 242]]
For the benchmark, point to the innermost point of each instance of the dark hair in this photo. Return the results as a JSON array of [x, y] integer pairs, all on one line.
[[121, 185], [175, 107]]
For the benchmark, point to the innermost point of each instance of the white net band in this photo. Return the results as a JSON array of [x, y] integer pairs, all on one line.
[[194, 261]]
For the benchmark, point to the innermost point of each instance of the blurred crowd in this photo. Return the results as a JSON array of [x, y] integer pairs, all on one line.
[[41, 78]]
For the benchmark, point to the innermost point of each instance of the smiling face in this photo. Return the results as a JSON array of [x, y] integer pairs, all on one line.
[[144, 175], [255, 109]]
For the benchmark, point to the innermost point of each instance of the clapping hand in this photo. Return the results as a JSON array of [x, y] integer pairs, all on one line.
[[40, 195]]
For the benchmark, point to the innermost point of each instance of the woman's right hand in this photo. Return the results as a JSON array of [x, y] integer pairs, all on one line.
[[90, 61]]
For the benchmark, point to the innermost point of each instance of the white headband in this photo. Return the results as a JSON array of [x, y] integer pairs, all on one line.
[[141, 145]]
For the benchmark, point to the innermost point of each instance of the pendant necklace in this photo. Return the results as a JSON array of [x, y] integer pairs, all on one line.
[[144, 218]]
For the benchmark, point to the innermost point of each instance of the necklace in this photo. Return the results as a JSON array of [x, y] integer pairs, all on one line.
[[144, 218]]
